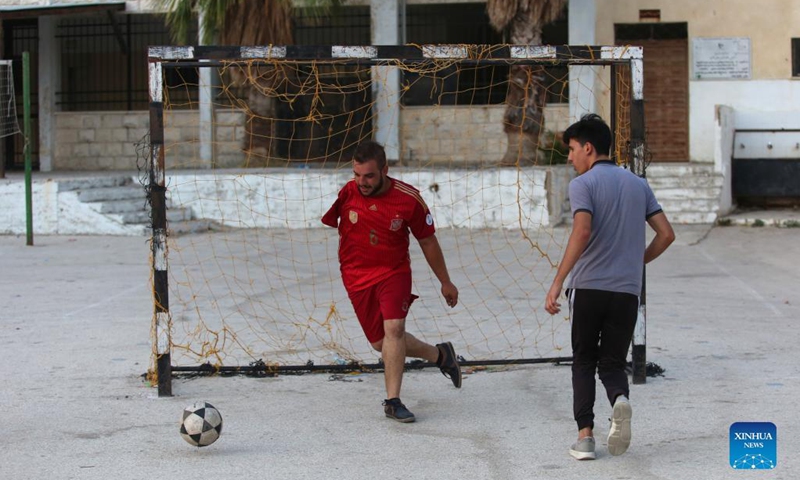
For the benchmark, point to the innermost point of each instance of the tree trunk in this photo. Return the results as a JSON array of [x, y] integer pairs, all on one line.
[[525, 101], [259, 22]]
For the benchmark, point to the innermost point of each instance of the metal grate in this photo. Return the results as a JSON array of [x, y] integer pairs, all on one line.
[[23, 36], [102, 66]]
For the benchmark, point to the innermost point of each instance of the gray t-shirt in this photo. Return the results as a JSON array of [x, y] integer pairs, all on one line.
[[620, 203]]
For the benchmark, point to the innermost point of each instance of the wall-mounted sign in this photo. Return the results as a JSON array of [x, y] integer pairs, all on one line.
[[722, 58]]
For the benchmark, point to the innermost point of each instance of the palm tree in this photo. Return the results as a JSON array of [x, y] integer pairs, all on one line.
[[524, 116], [239, 22], [246, 22]]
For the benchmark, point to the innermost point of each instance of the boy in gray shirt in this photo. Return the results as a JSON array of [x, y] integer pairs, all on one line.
[[606, 254]]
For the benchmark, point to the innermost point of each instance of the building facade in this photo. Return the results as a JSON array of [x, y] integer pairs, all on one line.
[[716, 74]]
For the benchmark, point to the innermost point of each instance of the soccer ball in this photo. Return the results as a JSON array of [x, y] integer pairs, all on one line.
[[201, 424]]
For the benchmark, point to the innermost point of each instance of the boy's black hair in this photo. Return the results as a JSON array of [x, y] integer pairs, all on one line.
[[590, 128]]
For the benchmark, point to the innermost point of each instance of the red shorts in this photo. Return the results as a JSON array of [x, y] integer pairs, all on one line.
[[386, 300]]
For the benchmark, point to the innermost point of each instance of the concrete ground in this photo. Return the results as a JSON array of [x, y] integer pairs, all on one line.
[[723, 306]]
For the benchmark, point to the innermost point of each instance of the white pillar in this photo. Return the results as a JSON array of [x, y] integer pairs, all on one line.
[[206, 92], [386, 80], [49, 83], [582, 94], [724, 132]]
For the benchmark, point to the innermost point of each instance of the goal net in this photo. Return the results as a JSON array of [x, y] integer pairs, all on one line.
[[9, 123], [250, 145]]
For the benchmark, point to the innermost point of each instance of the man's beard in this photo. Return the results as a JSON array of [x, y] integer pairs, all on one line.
[[374, 190]]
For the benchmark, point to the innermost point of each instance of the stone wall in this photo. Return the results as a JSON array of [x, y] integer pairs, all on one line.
[[462, 134], [107, 140], [181, 139], [455, 135]]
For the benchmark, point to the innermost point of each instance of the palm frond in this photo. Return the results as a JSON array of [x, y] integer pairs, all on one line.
[[544, 11], [179, 18], [501, 12], [239, 22], [534, 12]]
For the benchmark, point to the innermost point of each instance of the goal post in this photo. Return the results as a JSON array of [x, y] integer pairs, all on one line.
[[258, 289]]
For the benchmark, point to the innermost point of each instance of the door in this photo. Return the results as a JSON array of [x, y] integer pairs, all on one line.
[[666, 86]]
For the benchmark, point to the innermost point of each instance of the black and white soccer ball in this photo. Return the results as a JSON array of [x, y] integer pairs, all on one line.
[[201, 424]]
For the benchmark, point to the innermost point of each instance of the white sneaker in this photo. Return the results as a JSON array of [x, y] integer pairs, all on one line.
[[583, 449], [619, 436]]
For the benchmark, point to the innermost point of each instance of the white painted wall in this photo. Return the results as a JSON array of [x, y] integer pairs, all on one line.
[[763, 103], [56, 213], [285, 198], [499, 198], [769, 24], [724, 130]]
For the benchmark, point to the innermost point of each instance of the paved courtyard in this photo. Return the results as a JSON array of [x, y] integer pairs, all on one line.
[[723, 306]]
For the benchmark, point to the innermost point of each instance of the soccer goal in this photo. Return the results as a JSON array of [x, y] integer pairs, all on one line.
[[249, 146], [9, 123]]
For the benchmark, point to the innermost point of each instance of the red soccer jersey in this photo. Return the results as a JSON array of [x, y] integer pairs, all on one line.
[[373, 231]]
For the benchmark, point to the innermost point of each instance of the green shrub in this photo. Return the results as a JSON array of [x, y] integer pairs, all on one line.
[[552, 150]]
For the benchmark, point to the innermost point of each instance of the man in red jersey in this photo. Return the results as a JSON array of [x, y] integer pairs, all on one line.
[[374, 214]]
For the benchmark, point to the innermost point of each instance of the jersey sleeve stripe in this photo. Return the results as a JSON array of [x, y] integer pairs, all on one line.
[[412, 193]]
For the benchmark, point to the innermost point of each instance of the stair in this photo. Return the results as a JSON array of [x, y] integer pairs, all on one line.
[[122, 200], [689, 193]]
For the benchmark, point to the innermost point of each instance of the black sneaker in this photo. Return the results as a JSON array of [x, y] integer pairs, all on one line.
[[395, 410], [448, 363]]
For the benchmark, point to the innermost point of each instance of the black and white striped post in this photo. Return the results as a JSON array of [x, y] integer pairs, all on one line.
[[638, 166], [161, 323]]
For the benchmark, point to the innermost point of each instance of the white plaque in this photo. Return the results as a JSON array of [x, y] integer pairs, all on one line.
[[722, 58]]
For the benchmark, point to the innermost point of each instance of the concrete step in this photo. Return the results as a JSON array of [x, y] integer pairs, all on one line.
[[103, 194], [94, 182], [689, 181], [688, 217], [173, 215], [123, 206], [776, 217], [673, 206], [656, 170], [686, 193], [189, 227]]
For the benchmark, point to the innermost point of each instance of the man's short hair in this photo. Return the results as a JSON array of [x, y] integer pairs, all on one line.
[[590, 128], [370, 150]]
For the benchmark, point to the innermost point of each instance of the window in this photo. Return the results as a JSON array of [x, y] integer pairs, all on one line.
[[468, 23], [796, 57], [347, 25], [102, 65]]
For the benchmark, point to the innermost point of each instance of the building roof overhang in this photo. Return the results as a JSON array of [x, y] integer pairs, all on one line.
[[35, 11]]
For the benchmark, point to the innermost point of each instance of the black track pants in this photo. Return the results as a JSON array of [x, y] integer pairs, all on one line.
[[602, 328]]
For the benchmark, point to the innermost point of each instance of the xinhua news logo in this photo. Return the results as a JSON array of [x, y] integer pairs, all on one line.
[[754, 446]]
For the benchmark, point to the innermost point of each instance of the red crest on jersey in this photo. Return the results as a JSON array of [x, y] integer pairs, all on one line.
[[353, 216], [397, 223]]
